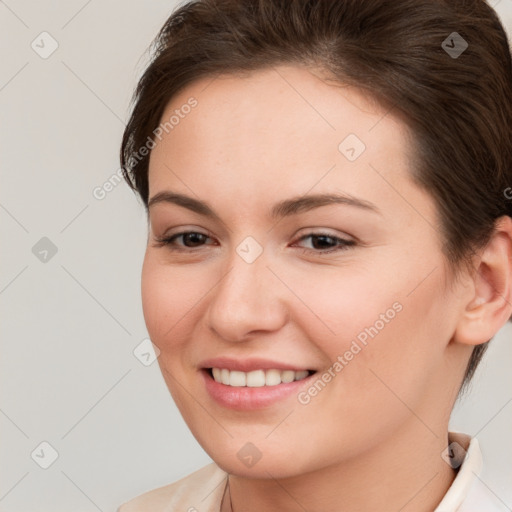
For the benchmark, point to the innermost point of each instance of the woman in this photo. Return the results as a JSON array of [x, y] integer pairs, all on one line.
[[330, 246]]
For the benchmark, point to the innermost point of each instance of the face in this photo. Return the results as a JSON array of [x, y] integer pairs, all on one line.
[[261, 277]]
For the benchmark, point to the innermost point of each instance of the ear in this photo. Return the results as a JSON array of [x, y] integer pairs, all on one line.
[[489, 303]]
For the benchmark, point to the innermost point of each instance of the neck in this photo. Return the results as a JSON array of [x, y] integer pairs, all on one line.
[[406, 472]]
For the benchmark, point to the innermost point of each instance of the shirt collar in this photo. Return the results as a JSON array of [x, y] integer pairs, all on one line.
[[465, 452]]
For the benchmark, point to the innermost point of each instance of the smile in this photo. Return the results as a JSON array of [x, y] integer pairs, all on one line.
[[257, 378], [255, 389]]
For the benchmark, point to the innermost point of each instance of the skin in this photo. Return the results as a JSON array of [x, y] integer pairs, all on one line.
[[250, 143]]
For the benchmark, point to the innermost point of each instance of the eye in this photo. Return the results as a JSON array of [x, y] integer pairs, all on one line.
[[190, 239], [325, 243], [322, 243]]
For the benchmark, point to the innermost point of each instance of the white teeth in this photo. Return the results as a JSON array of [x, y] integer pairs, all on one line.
[[288, 376], [224, 376], [272, 377], [237, 379], [256, 378]]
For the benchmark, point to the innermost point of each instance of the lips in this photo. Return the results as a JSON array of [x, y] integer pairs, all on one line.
[[248, 365], [254, 393]]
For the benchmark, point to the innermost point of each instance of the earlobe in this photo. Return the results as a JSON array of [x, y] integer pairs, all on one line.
[[490, 304]]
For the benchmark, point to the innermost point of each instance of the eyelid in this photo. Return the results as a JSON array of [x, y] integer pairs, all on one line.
[[313, 231], [166, 238], [342, 242], [183, 229], [327, 232]]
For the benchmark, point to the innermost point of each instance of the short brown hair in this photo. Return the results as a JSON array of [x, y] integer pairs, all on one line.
[[459, 107]]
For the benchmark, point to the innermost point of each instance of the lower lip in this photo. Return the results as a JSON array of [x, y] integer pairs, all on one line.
[[247, 398]]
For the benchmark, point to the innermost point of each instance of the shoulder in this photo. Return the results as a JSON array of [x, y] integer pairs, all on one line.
[[200, 491]]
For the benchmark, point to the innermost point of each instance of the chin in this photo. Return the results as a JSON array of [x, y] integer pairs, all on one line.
[[261, 470], [245, 463]]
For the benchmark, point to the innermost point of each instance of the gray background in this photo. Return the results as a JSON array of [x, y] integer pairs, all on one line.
[[71, 320]]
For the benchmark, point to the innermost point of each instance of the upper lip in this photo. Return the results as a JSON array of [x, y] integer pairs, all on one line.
[[247, 365]]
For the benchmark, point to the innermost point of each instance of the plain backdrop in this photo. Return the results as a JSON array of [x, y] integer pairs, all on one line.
[[70, 276]]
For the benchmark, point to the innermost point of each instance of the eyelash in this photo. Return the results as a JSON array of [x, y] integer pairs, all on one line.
[[344, 244]]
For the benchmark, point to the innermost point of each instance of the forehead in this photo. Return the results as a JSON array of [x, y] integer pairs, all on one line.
[[282, 128], [294, 104]]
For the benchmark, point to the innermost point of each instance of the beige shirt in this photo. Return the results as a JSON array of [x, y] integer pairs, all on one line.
[[202, 491]]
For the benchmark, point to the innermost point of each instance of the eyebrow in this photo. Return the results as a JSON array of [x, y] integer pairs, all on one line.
[[282, 209]]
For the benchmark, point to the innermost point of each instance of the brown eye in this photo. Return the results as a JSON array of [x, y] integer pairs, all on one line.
[[193, 239], [324, 243], [190, 240]]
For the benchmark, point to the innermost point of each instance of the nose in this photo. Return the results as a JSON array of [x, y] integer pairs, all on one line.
[[249, 300]]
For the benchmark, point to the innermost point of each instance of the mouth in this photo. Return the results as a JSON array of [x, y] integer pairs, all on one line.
[[256, 389], [256, 378]]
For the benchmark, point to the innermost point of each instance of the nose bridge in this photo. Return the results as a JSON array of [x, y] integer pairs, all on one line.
[[246, 298]]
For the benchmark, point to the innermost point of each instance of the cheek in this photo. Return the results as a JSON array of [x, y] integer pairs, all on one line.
[[168, 299], [388, 338], [335, 305], [168, 296]]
